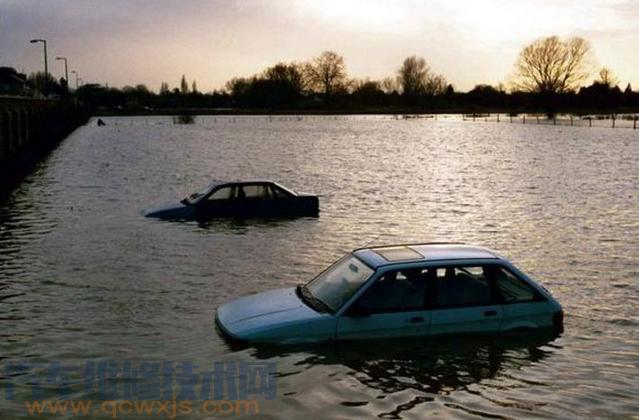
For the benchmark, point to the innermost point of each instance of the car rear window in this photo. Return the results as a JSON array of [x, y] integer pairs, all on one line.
[[512, 289]]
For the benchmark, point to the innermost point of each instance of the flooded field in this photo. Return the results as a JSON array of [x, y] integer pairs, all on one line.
[[85, 279]]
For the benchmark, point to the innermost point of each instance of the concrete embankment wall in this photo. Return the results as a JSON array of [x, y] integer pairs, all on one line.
[[29, 128]]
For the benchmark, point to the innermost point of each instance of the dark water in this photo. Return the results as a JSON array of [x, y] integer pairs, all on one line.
[[83, 277]]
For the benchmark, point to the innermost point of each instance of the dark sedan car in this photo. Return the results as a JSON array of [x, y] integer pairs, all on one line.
[[240, 199]]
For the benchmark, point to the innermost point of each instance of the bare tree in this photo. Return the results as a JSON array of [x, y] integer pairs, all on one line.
[[607, 77], [436, 84], [194, 87], [412, 76], [326, 73], [415, 78], [389, 85], [550, 65]]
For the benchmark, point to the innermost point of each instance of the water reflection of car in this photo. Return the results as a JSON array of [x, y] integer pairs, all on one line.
[[397, 291], [240, 199], [418, 377]]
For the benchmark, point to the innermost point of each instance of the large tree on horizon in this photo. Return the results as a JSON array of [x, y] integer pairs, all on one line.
[[415, 78], [326, 73], [412, 76], [550, 65], [289, 75]]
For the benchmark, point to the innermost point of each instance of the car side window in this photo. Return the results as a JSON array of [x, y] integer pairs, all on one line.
[[256, 191], [278, 192], [267, 193], [461, 286], [512, 289], [395, 291], [223, 193]]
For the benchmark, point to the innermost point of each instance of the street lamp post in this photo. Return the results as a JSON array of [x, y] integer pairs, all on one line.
[[66, 70], [76, 78], [46, 64]]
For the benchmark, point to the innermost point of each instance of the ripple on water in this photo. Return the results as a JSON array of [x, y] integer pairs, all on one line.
[[83, 277]]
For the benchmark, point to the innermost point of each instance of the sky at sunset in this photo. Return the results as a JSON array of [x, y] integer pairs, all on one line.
[[126, 42]]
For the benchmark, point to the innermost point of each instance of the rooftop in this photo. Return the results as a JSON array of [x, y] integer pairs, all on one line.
[[391, 254]]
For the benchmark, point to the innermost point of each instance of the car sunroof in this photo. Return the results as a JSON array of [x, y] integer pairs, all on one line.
[[399, 253]]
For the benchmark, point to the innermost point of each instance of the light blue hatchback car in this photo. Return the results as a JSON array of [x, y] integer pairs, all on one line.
[[397, 291]]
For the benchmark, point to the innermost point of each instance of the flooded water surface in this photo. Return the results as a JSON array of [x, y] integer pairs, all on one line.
[[85, 279]]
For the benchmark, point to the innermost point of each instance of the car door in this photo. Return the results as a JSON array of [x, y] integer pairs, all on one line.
[[282, 201], [254, 200], [393, 306], [464, 301], [220, 202]]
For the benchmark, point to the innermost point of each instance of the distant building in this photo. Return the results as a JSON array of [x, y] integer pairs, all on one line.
[[12, 82]]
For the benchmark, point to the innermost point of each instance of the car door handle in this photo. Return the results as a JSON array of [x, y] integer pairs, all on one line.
[[416, 320], [490, 313]]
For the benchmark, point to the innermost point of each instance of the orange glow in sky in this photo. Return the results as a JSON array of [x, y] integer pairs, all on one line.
[[150, 41]]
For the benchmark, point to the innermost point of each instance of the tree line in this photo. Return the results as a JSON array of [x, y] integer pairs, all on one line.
[[550, 74]]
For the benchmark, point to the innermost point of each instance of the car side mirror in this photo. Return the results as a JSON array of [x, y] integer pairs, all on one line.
[[356, 311]]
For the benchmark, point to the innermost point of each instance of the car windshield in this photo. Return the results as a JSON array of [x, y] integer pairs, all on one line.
[[338, 283], [193, 198]]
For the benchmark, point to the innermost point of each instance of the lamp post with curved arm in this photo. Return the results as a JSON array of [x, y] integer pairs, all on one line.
[[66, 70], [46, 64], [76, 78]]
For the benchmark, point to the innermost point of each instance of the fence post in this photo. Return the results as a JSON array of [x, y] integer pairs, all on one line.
[[497, 117], [613, 120], [634, 127], [524, 118], [571, 122], [511, 119]]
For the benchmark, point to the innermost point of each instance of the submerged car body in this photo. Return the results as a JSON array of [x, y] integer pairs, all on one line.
[[240, 199], [397, 291]]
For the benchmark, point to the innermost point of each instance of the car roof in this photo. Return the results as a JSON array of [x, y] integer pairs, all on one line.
[[423, 252], [236, 182], [217, 184]]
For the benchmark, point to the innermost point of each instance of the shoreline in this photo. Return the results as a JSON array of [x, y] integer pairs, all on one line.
[[367, 111], [29, 130]]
